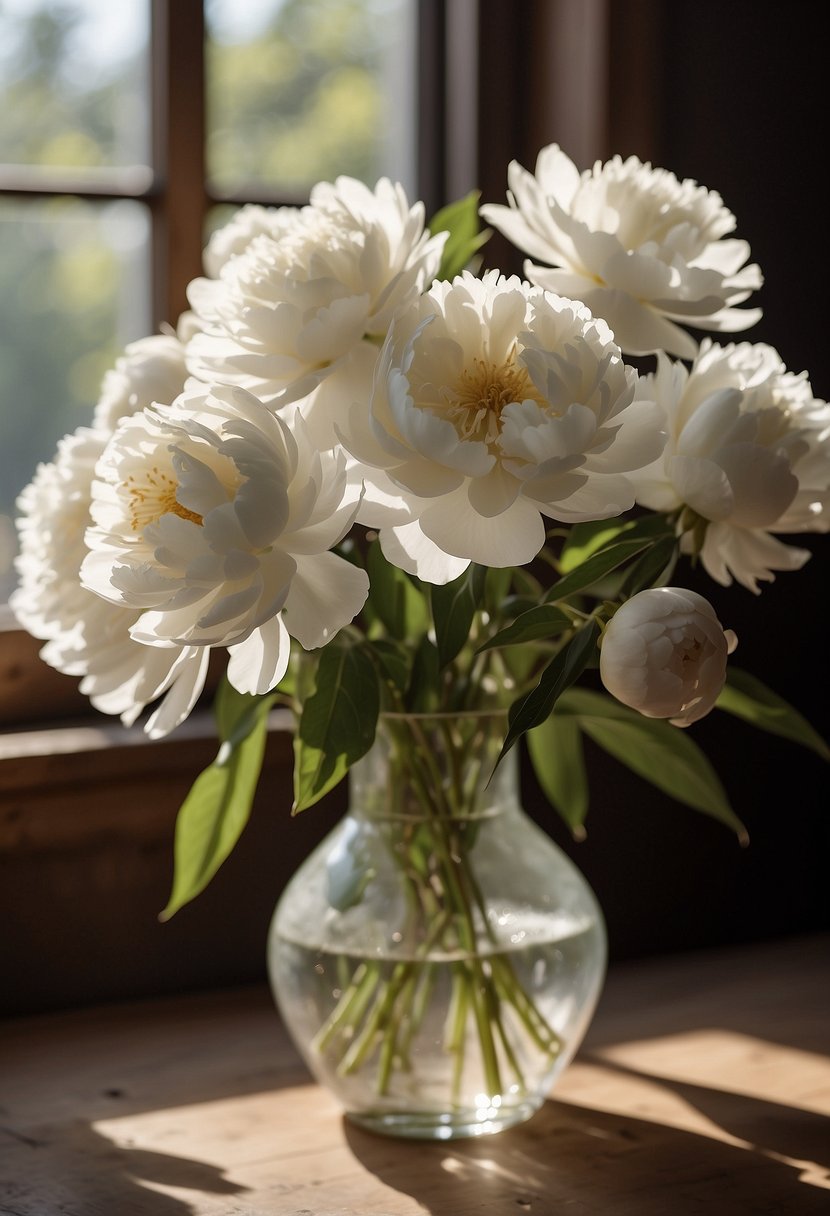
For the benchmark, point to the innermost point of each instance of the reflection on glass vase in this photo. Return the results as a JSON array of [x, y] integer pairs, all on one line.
[[437, 958]]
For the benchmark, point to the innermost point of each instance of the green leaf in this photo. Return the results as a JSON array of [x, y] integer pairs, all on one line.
[[460, 220], [542, 621], [453, 607], [555, 749], [423, 695], [497, 584], [395, 598], [212, 816], [585, 539], [535, 706], [596, 567], [654, 568], [746, 697], [394, 662], [337, 724], [662, 754]]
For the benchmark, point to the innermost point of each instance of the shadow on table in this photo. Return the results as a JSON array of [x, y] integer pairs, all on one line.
[[86, 1172], [768, 1127], [601, 1162]]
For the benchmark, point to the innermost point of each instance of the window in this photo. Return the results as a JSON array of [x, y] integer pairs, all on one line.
[[128, 131]]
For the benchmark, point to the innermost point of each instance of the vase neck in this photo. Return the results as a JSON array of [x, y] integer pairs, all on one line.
[[426, 765]]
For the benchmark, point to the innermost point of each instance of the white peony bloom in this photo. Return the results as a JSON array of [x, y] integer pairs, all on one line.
[[639, 247], [748, 454], [151, 370], [313, 297], [87, 636], [235, 236], [664, 653], [495, 404], [216, 521]]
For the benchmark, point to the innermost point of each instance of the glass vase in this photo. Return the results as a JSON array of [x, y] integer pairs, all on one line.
[[437, 958]]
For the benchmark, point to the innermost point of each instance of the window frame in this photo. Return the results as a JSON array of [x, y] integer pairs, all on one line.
[[465, 135]]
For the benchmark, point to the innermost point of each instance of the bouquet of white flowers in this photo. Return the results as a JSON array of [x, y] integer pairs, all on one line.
[[384, 484]]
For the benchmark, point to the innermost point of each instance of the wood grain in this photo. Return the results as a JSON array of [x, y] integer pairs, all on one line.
[[704, 1084]]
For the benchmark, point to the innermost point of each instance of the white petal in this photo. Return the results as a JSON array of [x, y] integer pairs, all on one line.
[[258, 664], [327, 592], [407, 547], [510, 539], [747, 555], [182, 696], [703, 485], [762, 483]]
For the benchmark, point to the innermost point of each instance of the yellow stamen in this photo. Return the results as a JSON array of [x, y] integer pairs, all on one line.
[[474, 405], [154, 496]]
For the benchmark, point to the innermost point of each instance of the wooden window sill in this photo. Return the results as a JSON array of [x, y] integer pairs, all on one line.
[[704, 1083]]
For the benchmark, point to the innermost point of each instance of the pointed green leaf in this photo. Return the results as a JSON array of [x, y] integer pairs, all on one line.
[[596, 567], [542, 621], [585, 539], [337, 724], [662, 754], [535, 706], [394, 597], [746, 697], [453, 607], [212, 816], [237, 713], [654, 568], [558, 759], [460, 220]]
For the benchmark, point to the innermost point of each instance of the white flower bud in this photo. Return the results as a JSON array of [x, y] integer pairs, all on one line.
[[664, 654]]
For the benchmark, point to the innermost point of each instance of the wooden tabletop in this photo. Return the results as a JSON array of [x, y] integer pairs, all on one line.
[[703, 1086]]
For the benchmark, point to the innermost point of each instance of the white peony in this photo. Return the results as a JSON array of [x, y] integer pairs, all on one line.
[[747, 456], [151, 370], [313, 298], [247, 222], [664, 653], [639, 247], [87, 636], [216, 521], [495, 404]]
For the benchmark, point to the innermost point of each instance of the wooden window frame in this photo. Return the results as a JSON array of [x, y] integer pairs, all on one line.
[[467, 133]]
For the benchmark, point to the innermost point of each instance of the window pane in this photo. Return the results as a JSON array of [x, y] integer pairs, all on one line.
[[73, 83], [73, 291], [303, 90]]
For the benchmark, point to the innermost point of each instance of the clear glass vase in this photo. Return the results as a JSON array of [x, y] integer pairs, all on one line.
[[437, 958]]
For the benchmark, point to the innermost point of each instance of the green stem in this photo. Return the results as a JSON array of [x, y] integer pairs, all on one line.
[[350, 1008], [379, 1016]]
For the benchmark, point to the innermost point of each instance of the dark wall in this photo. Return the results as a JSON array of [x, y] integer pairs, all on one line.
[[741, 94]]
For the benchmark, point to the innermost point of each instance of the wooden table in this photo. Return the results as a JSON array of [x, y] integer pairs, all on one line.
[[703, 1086]]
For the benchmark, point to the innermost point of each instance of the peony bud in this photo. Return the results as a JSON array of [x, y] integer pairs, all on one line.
[[664, 654]]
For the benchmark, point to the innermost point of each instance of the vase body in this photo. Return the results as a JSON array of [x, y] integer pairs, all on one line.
[[437, 958]]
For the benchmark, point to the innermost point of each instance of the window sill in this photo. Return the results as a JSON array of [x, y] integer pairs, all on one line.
[[87, 822]]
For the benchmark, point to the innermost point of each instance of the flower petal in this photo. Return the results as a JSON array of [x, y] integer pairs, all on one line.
[[258, 664], [326, 593]]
